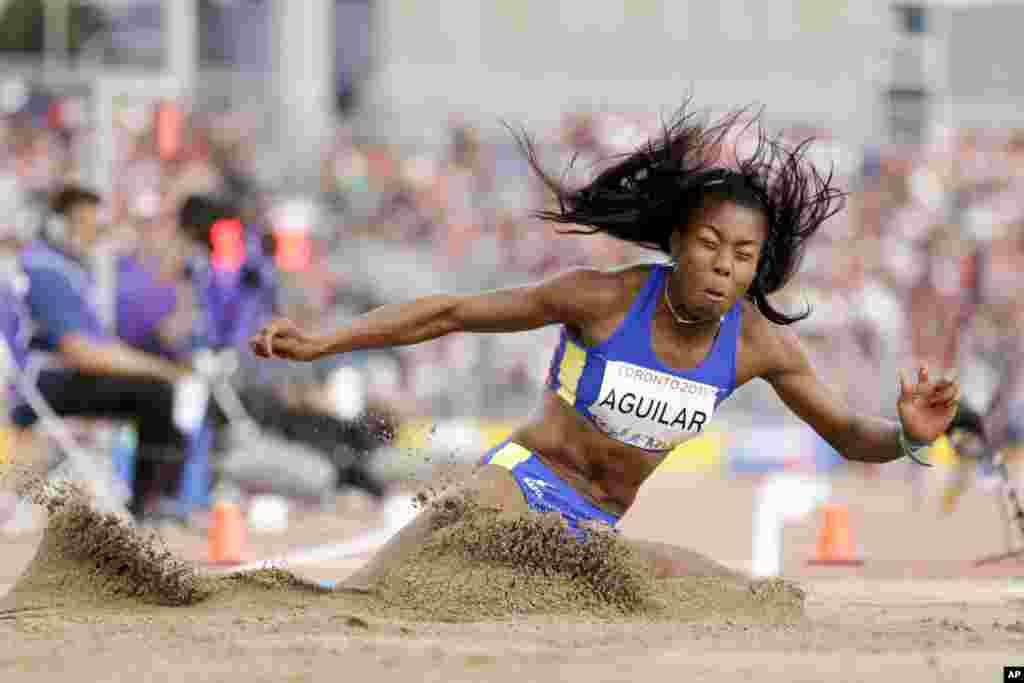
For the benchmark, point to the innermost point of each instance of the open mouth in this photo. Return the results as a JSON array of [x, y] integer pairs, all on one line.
[[714, 294]]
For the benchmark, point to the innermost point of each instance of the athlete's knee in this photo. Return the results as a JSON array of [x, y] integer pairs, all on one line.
[[669, 561], [495, 486], [666, 567]]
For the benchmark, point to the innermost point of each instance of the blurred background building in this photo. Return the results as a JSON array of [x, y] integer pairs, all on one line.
[[866, 71]]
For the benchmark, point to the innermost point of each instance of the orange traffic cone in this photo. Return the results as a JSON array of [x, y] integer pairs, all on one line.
[[835, 542], [227, 533]]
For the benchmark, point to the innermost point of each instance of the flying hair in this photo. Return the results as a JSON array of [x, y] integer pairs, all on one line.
[[644, 195]]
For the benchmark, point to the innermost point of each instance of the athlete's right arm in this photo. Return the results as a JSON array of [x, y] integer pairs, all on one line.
[[568, 298]]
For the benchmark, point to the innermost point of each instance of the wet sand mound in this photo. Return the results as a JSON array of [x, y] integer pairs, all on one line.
[[89, 559], [478, 566]]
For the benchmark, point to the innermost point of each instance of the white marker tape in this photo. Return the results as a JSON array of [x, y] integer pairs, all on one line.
[[398, 511]]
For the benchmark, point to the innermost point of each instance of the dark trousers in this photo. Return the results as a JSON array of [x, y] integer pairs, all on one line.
[[147, 402], [346, 443]]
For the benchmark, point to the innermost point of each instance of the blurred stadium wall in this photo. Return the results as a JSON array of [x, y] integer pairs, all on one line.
[[868, 70], [817, 61]]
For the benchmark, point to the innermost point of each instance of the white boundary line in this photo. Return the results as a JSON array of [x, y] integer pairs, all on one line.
[[360, 545], [312, 554]]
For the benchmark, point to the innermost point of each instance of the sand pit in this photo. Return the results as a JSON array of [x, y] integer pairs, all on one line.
[[478, 615], [478, 566], [481, 566]]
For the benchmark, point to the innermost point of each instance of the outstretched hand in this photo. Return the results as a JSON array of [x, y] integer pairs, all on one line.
[[281, 338], [927, 407]]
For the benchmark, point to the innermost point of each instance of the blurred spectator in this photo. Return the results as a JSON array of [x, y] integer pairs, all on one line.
[[233, 288], [218, 305], [96, 374], [15, 330], [144, 304]]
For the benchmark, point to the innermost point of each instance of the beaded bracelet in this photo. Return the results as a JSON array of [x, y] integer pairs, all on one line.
[[911, 449]]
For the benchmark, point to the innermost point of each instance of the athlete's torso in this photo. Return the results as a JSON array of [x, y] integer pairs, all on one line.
[[627, 392], [631, 393]]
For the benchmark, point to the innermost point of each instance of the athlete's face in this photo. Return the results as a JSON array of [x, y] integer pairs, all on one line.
[[717, 255]]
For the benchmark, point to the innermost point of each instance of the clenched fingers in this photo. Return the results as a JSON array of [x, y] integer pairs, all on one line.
[[943, 394]]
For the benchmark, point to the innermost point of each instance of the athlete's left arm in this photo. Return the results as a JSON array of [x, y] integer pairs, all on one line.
[[926, 407]]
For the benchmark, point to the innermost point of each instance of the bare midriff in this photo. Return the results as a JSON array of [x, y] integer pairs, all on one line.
[[605, 471]]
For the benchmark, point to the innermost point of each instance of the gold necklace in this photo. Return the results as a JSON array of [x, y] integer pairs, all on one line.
[[680, 319]]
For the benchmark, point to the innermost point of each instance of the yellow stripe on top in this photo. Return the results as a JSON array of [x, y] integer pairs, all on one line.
[[510, 455], [570, 371]]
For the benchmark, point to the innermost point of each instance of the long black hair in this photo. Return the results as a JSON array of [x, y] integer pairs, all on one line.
[[646, 194]]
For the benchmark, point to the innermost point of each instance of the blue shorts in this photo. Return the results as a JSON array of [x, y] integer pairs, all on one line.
[[544, 490]]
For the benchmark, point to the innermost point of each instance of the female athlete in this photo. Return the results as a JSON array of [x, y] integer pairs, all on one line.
[[648, 352]]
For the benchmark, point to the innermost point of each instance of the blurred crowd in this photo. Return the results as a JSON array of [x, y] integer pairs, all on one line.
[[921, 265], [126, 307]]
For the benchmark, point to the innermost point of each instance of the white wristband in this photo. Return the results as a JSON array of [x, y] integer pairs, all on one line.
[[911, 449]]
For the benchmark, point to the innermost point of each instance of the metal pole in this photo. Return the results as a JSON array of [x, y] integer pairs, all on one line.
[[55, 37], [101, 175], [938, 67], [303, 63], [181, 50]]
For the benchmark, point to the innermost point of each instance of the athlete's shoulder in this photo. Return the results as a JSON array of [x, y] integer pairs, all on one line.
[[609, 288], [634, 275], [586, 295], [767, 348]]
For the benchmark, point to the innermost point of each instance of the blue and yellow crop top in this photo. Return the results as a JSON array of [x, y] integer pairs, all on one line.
[[631, 396]]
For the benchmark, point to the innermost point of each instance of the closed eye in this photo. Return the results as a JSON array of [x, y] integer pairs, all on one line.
[[743, 256]]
